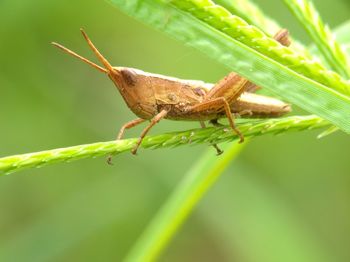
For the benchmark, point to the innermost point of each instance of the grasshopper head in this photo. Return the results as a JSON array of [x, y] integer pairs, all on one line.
[[125, 79]]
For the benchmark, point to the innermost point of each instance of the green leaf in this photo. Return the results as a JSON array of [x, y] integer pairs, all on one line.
[[180, 204], [251, 13], [240, 57], [334, 54]]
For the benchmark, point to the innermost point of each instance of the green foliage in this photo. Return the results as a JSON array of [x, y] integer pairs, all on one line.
[[322, 36], [252, 14], [203, 135], [180, 204]]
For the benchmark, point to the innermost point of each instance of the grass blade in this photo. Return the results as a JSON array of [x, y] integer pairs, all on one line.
[[252, 14], [180, 204], [16, 163], [334, 54]]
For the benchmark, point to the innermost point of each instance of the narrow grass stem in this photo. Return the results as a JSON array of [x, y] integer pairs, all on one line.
[[180, 204], [208, 135]]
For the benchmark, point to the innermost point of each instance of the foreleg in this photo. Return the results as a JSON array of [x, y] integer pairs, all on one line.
[[154, 121], [129, 125]]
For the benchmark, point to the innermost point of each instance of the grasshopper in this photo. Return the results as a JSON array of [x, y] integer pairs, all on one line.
[[155, 97]]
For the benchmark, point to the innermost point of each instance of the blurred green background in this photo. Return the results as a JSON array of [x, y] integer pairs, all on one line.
[[286, 198]]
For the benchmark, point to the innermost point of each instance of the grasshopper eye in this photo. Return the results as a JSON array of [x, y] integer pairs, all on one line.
[[129, 76]]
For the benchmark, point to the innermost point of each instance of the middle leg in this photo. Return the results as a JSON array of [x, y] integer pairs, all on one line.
[[218, 150], [215, 123]]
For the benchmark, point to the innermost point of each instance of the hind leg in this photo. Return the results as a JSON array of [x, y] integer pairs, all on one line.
[[216, 105]]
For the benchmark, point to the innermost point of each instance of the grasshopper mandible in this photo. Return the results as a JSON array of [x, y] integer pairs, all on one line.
[[155, 97]]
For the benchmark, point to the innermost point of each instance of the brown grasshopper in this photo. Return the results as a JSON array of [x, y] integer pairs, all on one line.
[[154, 97]]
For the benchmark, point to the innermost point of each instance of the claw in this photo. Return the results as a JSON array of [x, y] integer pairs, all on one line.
[[109, 160]]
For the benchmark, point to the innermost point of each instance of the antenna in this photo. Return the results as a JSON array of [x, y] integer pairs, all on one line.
[[108, 67], [100, 57], [80, 57]]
